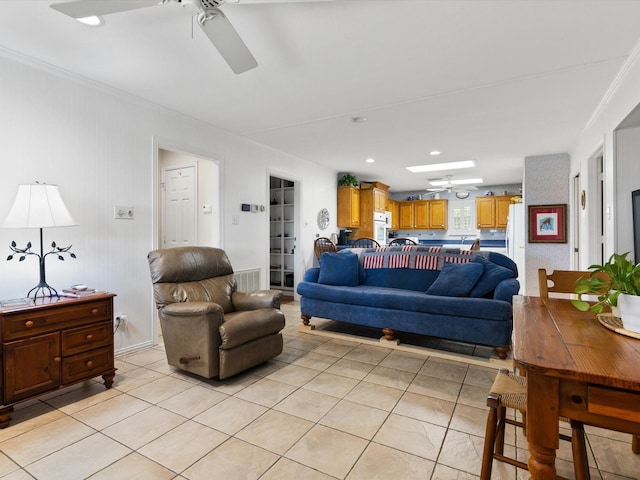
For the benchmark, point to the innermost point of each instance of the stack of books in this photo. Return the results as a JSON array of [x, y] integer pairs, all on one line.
[[77, 291]]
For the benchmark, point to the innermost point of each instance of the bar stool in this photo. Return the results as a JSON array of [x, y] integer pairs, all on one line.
[[510, 391]]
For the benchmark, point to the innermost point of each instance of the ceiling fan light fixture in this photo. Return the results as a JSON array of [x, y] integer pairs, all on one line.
[[92, 21], [434, 167]]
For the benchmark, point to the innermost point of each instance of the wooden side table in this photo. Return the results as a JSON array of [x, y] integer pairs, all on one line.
[[54, 343]]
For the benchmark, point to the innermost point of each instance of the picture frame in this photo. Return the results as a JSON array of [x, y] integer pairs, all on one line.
[[548, 223]]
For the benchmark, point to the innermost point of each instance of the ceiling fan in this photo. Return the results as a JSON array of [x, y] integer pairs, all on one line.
[[211, 19], [449, 186]]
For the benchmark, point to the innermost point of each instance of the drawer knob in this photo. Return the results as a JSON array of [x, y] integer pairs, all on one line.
[[28, 323], [56, 359], [89, 337], [89, 363], [94, 311]]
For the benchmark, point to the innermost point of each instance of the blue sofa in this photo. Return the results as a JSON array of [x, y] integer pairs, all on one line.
[[445, 293]]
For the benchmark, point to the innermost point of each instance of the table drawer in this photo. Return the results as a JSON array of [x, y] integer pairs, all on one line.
[[78, 340], [613, 402], [20, 325], [87, 365]]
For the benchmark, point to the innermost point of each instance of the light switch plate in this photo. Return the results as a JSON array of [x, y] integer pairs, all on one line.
[[123, 212]]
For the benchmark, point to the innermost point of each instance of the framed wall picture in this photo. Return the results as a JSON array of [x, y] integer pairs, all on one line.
[[548, 223]]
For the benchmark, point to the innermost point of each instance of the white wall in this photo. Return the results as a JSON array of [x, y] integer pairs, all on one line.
[[98, 146], [621, 99]]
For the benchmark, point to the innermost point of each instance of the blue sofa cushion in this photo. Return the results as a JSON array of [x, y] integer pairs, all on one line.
[[492, 275], [339, 269], [456, 279]]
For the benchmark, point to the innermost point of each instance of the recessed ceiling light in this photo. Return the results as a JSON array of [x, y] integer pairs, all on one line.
[[463, 181], [370, 160], [93, 21], [435, 152], [434, 167], [358, 119]]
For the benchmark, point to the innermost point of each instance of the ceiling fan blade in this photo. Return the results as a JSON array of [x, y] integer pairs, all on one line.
[[246, 2], [90, 8], [224, 37]]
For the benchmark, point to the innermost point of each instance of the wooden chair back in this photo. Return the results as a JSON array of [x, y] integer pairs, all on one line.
[[562, 281], [475, 246], [402, 241], [365, 242], [323, 244]]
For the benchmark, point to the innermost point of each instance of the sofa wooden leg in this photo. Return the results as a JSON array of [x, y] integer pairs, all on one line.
[[388, 334], [502, 352], [305, 323]]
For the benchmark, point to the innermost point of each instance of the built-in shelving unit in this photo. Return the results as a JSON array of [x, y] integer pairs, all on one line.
[[282, 240]]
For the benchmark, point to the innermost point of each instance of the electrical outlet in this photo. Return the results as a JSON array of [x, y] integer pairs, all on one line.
[[123, 212], [119, 319]]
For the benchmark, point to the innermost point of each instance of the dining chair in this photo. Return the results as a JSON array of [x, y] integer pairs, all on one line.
[[475, 246], [323, 244], [402, 241], [364, 242], [564, 282], [510, 391]]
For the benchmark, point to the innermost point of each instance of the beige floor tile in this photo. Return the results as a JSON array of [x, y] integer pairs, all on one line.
[[405, 361], [480, 377], [442, 472], [183, 446], [7, 465], [290, 354], [134, 378], [306, 404], [29, 418], [411, 436], [275, 431], [288, 469], [615, 457], [266, 392], [316, 361], [444, 369], [79, 460], [111, 411], [134, 467], [18, 475], [367, 354], [90, 394], [435, 387], [374, 395], [233, 385], [427, 409], [305, 343], [44, 440], [350, 368], [473, 420], [267, 368], [335, 348], [473, 396], [230, 415], [161, 366], [382, 463], [293, 375], [328, 450], [472, 446], [160, 389], [143, 427], [193, 401], [144, 357], [390, 377], [354, 418], [232, 460], [330, 384]]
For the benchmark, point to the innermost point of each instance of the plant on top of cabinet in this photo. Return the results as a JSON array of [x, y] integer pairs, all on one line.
[[348, 180]]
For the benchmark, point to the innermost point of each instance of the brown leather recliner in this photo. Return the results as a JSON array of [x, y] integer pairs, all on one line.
[[208, 327]]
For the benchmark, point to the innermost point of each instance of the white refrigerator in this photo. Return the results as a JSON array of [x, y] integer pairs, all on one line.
[[516, 231]]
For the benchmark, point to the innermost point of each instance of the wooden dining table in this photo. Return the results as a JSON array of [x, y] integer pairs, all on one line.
[[576, 368]]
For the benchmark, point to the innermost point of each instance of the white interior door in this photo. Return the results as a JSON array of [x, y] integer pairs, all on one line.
[[180, 194]]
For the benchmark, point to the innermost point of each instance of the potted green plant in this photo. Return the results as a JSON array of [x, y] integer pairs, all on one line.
[[616, 284], [348, 180]]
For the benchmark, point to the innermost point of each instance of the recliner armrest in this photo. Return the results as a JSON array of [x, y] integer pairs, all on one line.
[[185, 309], [255, 300]]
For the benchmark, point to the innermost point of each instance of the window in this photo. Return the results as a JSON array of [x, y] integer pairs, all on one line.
[[462, 217]]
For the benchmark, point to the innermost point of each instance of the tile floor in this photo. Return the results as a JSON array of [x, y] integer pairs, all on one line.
[[325, 409]]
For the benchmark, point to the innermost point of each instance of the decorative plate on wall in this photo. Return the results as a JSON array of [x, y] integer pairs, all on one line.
[[323, 218]]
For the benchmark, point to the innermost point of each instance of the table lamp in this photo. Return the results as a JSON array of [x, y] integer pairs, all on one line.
[[39, 206]]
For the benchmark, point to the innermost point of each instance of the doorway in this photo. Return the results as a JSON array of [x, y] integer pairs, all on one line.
[[179, 209], [283, 231]]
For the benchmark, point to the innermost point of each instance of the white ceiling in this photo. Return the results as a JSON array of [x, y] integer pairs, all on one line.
[[492, 81]]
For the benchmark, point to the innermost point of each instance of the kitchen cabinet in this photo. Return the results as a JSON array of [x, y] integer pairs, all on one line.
[[282, 240], [373, 199], [492, 211], [53, 343], [348, 207], [394, 208], [423, 215]]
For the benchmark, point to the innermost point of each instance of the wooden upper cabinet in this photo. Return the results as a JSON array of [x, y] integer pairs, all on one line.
[[394, 208], [492, 211], [348, 207], [379, 200], [378, 192], [421, 214], [406, 216], [438, 214]]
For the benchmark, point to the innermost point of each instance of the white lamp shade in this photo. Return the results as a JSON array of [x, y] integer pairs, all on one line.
[[38, 206]]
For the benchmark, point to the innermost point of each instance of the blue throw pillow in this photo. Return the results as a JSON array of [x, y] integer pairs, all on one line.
[[456, 279], [339, 269], [493, 274]]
